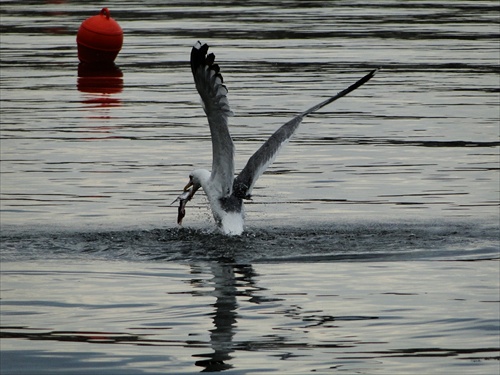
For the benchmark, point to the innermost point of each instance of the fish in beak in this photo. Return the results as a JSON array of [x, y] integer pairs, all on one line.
[[189, 191]]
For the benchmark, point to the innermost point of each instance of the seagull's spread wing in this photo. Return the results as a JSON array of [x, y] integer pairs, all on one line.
[[265, 155], [209, 84]]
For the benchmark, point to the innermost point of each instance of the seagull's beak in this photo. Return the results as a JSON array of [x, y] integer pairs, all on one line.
[[189, 184], [192, 188]]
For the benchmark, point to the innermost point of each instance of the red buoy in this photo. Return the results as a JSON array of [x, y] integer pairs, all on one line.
[[99, 38]]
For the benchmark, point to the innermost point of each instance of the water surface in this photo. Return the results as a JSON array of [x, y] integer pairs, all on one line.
[[371, 244]]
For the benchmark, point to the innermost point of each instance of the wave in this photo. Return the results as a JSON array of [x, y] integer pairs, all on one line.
[[346, 241]]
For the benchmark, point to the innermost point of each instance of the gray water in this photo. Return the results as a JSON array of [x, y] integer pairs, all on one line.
[[371, 244]]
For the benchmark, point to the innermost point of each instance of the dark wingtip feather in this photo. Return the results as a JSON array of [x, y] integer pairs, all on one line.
[[198, 53], [199, 58], [210, 59]]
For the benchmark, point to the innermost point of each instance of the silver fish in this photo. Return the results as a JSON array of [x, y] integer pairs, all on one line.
[[183, 199]]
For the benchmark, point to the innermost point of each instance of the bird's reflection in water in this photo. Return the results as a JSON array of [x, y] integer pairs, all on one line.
[[229, 282]]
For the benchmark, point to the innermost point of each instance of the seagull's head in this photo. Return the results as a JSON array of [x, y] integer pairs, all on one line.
[[197, 179]]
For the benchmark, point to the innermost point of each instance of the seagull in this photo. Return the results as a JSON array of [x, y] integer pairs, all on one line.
[[224, 191]]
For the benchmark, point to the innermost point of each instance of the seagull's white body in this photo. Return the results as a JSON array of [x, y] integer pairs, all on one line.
[[230, 222], [225, 192]]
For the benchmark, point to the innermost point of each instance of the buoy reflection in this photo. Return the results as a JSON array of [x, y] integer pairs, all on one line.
[[101, 82]]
